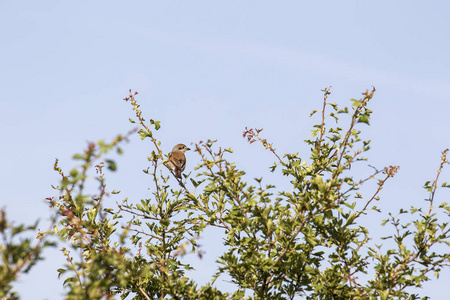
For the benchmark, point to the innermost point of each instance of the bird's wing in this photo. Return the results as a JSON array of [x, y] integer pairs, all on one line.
[[179, 159]]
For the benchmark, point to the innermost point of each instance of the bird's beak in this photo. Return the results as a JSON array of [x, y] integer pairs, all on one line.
[[188, 149]]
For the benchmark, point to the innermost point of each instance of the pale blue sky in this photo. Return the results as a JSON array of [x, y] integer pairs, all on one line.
[[207, 69]]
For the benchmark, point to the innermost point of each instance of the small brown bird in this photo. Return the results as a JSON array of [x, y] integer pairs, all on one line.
[[177, 159]]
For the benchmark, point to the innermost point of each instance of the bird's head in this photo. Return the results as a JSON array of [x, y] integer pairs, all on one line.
[[180, 147]]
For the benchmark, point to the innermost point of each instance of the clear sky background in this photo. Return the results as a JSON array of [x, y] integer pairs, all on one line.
[[208, 69]]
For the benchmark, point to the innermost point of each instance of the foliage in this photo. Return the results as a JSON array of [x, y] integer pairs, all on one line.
[[19, 253], [306, 242]]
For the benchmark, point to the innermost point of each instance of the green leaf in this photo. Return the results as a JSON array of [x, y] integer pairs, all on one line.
[[363, 119], [445, 185], [74, 173], [144, 134], [194, 183], [60, 272], [111, 164], [79, 156], [156, 123], [356, 103]]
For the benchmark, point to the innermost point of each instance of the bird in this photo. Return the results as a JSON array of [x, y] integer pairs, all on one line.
[[177, 159]]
